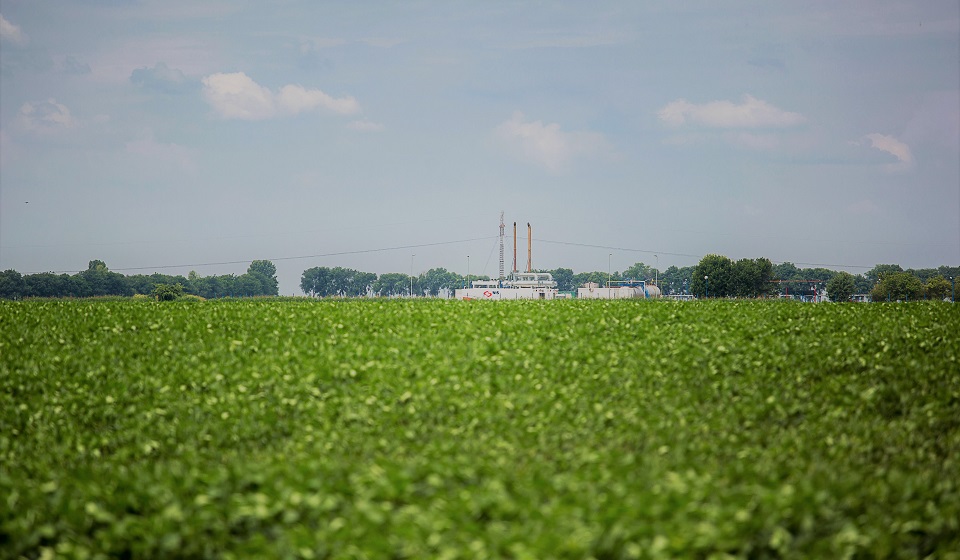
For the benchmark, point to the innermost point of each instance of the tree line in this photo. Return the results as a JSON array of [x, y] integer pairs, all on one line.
[[713, 276], [97, 280]]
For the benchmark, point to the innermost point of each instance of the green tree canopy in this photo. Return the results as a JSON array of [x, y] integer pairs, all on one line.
[[391, 284], [596, 277], [937, 288], [676, 280], [751, 278], [167, 292], [99, 281], [12, 285], [719, 269], [841, 287], [267, 275], [564, 279], [638, 271], [897, 286], [338, 281], [875, 274], [436, 279]]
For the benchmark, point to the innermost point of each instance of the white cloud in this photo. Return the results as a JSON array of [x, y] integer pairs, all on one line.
[[45, 116], [547, 145], [10, 32], [293, 99], [365, 126], [751, 113], [893, 147], [237, 96]]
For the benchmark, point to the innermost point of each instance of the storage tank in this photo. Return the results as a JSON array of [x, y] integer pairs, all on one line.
[[650, 291]]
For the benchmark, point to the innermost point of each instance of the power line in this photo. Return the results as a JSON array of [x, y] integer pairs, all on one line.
[[455, 242], [656, 252], [589, 246], [300, 257]]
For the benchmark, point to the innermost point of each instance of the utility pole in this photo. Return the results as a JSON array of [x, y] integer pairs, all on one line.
[[502, 225]]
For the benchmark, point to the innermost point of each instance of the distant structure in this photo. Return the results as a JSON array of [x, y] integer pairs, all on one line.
[[514, 269], [527, 285], [501, 246], [626, 289], [529, 248]]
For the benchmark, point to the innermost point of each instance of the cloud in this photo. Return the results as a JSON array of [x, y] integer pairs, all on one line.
[[45, 116], [547, 145], [751, 113], [293, 99], [237, 96], [893, 147], [365, 126], [163, 79], [11, 33]]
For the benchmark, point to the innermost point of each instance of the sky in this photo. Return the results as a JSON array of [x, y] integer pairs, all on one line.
[[169, 136]]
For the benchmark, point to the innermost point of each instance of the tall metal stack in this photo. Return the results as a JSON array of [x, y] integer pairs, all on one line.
[[529, 248], [501, 245]]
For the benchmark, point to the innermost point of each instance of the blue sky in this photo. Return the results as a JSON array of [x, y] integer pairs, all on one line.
[[150, 134]]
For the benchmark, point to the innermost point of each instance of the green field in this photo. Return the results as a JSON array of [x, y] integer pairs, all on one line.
[[445, 429]]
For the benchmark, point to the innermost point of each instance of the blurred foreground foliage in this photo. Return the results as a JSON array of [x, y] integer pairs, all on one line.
[[443, 429]]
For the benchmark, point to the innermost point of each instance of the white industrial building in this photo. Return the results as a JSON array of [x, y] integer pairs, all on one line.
[[619, 290], [520, 285]]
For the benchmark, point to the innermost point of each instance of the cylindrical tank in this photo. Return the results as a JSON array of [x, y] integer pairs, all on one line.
[[651, 291]]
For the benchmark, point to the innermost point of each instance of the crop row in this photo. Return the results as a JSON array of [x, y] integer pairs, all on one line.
[[412, 429]]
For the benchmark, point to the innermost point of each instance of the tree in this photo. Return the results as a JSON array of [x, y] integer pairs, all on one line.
[[313, 281], [97, 265], [638, 271], [841, 286], [937, 288], [362, 282], [861, 285], [267, 273], [324, 282], [876, 274], [12, 285], [101, 282], [751, 278], [48, 284], [226, 285], [168, 292], [676, 280], [437, 279], [597, 277], [897, 286], [564, 279], [249, 285], [391, 284], [719, 269]]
